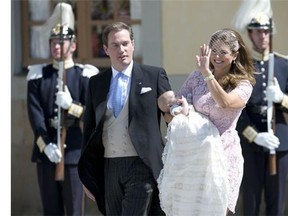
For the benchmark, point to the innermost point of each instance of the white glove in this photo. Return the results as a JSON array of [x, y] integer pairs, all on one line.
[[274, 92], [64, 99], [267, 140], [53, 153]]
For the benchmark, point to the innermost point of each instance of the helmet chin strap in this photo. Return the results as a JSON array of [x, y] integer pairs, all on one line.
[[67, 50], [69, 47]]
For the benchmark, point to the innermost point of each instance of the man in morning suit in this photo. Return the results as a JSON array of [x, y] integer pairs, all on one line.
[[121, 153]]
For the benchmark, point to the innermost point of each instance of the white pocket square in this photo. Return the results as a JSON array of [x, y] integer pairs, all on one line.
[[145, 89]]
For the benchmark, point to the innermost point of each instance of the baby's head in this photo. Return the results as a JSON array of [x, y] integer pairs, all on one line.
[[166, 100]]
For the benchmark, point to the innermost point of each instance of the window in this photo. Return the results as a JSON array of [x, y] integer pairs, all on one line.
[[90, 19]]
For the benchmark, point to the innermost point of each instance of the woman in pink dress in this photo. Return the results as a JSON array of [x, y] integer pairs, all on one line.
[[219, 89]]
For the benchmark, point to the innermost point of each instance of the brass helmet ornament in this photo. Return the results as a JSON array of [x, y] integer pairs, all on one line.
[[259, 21], [67, 33]]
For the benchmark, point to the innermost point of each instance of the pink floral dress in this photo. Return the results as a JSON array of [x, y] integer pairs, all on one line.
[[196, 91]]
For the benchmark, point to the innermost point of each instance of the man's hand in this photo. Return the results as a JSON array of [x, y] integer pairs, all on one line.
[[267, 140], [274, 92], [64, 99], [53, 153]]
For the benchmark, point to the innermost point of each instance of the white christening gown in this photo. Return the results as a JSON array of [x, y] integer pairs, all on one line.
[[194, 178]]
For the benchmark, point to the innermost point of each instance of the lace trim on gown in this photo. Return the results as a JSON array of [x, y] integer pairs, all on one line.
[[194, 179]]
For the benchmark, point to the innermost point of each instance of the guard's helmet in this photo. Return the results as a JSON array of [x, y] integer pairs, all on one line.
[[62, 31], [259, 21]]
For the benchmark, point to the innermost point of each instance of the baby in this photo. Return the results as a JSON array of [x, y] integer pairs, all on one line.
[[194, 173], [168, 102]]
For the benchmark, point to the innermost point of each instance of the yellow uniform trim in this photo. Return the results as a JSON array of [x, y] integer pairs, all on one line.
[[250, 133], [284, 102], [75, 110], [40, 143]]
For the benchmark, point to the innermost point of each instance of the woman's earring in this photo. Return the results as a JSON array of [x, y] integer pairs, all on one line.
[[234, 62]]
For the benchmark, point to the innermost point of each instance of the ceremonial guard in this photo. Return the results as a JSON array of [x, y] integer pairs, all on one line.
[[44, 99], [256, 139]]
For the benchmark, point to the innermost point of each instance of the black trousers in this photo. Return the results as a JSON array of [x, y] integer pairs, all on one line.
[[60, 197], [257, 180], [130, 188]]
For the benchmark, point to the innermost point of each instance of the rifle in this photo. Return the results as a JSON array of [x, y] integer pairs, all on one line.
[[270, 110], [61, 128]]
